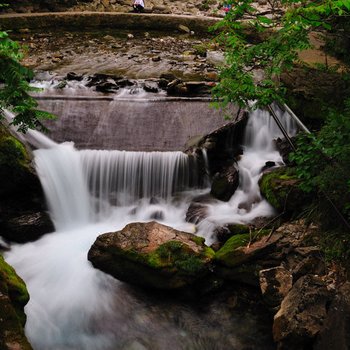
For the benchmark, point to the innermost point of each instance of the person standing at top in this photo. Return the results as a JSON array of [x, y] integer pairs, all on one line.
[[138, 6]]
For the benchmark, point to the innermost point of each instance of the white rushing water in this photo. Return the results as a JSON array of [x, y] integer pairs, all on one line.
[[247, 203], [74, 306]]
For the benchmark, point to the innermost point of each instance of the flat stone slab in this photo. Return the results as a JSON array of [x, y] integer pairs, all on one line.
[[79, 20]]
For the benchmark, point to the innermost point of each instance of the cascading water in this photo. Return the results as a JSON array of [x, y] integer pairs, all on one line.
[[258, 148], [74, 306]]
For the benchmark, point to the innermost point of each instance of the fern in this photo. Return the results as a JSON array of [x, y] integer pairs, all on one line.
[[15, 88]]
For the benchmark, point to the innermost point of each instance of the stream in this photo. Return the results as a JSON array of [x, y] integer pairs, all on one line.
[[92, 191]]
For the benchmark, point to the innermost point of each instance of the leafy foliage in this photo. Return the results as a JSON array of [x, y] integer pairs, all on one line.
[[261, 45], [323, 162], [15, 88]]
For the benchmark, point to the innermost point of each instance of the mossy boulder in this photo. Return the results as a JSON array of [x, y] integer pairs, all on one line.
[[281, 189], [16, 288], [13, 297], [16, 172], [152, 255], [22, 210]]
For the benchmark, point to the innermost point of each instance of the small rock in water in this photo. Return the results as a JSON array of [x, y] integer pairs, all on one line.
[[62, 84], [74, 76], [151, 86], [157, 215], [154, 200], [133, 211], [269, 164]]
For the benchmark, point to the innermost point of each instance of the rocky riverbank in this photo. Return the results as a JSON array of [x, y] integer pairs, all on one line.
[[194, 7], [286, 265], [128, 54]]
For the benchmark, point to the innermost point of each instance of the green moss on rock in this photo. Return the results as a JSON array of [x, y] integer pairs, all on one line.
[[281, 189], [152, 255], [13, 297], [232, 252], [16, 288], [231, 244], [15, 164]]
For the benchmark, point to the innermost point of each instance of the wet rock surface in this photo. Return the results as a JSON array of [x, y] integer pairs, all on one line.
[[224, 184], [27, 227], [23, 217], [152, 255]]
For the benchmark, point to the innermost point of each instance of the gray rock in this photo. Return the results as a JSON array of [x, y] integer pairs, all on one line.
[[302, 314], [215, 57]]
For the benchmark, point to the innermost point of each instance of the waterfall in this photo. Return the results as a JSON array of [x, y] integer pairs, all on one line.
[[258, 146], [127, 176], [74, 306], [82, 186]]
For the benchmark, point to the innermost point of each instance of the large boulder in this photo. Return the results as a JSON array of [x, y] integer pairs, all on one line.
[[27, 227], [152, 255], [335, 331], [281, 189], [13, 298], [302, 314], [225, 183], [16, 171], [22, 212]]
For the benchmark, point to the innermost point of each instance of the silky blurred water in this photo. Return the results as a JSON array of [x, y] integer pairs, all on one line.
[[74, 306]]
